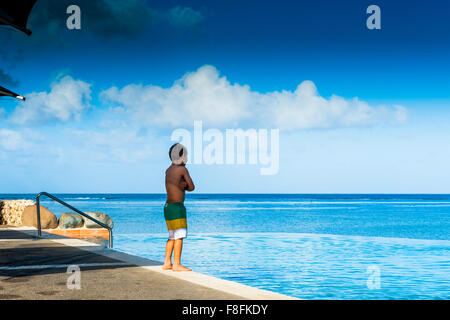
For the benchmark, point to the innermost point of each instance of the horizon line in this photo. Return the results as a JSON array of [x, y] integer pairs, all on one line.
[[230, 193]]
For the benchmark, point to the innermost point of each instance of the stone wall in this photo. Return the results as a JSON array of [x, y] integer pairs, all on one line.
[[11, 211]]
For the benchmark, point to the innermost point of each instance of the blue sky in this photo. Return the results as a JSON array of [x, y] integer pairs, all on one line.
[[104, 100]]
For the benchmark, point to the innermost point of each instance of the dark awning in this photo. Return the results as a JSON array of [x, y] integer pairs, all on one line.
[[15, 13], [5, 92]]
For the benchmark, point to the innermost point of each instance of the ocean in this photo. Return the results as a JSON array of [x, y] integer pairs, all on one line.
[[346, 246]]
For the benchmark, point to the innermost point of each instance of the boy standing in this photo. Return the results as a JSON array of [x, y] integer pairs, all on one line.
[[178, 181]]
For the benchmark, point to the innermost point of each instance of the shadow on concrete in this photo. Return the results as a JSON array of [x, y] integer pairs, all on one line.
[[15, 275], [22, 248], [21, 255]]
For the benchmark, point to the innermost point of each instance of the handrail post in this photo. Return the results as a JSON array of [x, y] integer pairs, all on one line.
[[38, 210]]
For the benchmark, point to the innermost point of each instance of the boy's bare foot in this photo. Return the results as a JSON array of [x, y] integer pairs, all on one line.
[[180, 267], [167, 267]]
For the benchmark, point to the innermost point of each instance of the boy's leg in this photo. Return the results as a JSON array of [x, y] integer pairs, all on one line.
[[177, 266], [168, 259]]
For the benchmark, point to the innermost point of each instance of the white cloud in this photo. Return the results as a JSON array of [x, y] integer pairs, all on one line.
[[200, 95], [207, 96], [11, 140], [113, 145], [184, 16], [305, 108], [123, 145], [67, 99], [21, 146]]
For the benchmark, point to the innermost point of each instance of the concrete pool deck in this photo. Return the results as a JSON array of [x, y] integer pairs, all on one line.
[[36, 268]]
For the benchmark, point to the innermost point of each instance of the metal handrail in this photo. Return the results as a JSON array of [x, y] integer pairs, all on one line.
[[38, 210]]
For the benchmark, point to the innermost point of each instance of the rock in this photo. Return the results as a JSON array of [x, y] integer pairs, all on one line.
[[11, 211], [48, 218], [70, 220], [102, 217]]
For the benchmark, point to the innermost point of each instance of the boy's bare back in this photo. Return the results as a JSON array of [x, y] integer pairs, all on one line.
[[178, 181]]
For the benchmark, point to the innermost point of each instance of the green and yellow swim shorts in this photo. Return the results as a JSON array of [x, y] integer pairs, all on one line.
[[175, 215]]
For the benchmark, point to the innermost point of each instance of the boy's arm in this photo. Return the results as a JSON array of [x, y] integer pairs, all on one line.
[[182, 185], [189, 184]]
